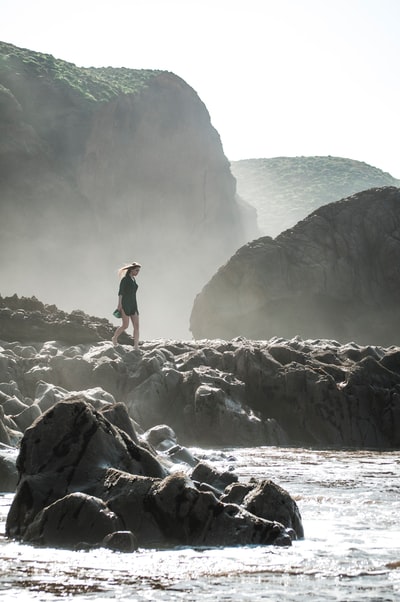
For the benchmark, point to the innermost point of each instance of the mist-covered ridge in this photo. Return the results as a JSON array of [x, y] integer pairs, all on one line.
[[284, 190]]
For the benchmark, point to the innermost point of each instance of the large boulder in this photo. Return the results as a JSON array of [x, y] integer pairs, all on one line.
[[72, 521], [192, 517], [266, 499], [334, 276], [77, 444], [83, 481]]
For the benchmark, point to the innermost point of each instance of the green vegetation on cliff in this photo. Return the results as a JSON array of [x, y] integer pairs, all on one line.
[[284, 190], [93, 84]]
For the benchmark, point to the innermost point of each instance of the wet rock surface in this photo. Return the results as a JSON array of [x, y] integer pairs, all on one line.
[[84, 483], [98, 435]]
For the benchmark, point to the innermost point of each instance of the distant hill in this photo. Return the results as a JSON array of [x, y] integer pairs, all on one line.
[[284, 190], [102, 166]]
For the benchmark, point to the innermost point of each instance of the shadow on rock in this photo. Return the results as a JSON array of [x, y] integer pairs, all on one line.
[[85, 483]]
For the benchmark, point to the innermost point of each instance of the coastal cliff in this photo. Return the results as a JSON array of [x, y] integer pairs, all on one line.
[[102, 166]]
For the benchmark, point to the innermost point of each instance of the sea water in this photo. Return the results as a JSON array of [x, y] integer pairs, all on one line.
[[350, 506]]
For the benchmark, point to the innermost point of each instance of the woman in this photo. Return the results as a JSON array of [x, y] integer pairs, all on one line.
[[127, 303]]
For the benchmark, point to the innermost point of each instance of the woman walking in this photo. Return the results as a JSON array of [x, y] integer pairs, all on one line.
[[127, 303]]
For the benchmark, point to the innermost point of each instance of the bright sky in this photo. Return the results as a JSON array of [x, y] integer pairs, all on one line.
[[279, 77]]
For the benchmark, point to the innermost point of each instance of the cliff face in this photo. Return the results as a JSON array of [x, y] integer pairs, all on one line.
[[334, 275], [102, 166], [284, 190]]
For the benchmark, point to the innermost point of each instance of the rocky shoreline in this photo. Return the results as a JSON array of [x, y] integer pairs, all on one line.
[[214, 393], [84, 424]]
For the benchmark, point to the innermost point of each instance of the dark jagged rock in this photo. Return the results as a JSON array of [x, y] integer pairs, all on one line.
[[213, 392], [57, 444], [196, 517], [118, 415], [204, 473], [267, 499], [28, 319], [71, 521], [127, 496], [333, 276], [84, 483]]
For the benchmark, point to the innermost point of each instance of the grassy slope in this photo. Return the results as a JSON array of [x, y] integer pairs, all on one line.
[[92, 84]]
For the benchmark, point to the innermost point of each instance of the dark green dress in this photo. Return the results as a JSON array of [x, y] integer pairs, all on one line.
[[127, 289]]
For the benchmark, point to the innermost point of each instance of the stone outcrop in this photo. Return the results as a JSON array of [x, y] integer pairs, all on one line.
[[28, 319], [333, 276], [102, 166], [84, 483], [265, 499], [210, 393]]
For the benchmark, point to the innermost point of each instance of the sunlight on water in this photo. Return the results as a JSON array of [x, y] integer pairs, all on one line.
[[350, 505]]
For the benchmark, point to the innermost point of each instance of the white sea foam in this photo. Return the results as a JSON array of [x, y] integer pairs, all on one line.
[[349, 501]]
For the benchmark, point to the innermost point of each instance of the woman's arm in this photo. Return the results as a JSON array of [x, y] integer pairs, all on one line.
[[122, 288]]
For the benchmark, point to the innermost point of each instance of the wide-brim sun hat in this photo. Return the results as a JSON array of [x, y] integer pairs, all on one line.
[[134, 264]]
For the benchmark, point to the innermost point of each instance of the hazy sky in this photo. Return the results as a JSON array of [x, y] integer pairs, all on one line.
[[279, 77]]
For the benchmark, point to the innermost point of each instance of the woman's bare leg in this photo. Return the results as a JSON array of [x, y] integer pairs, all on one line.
[[122, 328], [135, 322]]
